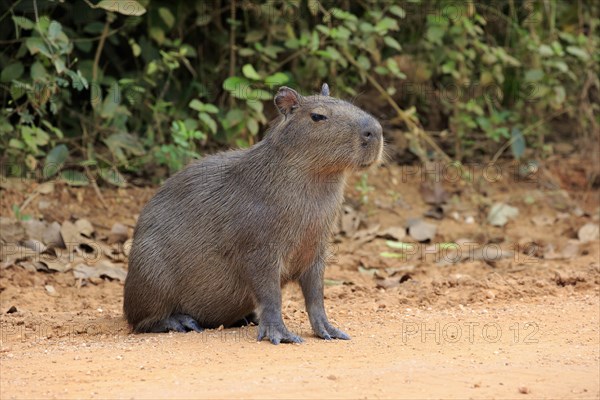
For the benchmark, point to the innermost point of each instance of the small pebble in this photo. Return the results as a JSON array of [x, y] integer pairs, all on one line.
[[524, 390]]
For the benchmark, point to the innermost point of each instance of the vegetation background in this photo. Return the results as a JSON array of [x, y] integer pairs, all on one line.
[[97, 91]]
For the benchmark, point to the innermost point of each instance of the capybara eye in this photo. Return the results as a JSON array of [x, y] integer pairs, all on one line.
[[318, 117]]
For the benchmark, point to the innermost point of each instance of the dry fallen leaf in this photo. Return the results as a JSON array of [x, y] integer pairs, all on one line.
[[35, 245], [11, 230], [118, 233], [34, 229], [394, 233], [365, 235], [85, 227], [10, 255], [500, 213], [588, 232], [421, 230], [52, 237], [45, 188], [543, 220], [392, 282], [102, 268]]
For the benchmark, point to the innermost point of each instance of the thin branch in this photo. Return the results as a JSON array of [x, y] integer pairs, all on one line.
[[99, 49]]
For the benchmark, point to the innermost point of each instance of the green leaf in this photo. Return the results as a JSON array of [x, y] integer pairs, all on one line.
[[545, 50], [435, 33], [118, 142], [256, 106], [166, 16], [250, 73], [364, 62], [254, 36], [111, 102], [208, 121], [343, 15], [534, 75], [403, 246], [578, 52], [54, 30], [259, 94], [135, 48], [386, 24], [157, 34], [125, 7], [38, 71], [11, 72], [59, 65], [277, 79], [391, 42], [233, 117], [16, 144], [398, 11], [23, 22], [79, 82], [448, 246], [53, 129], [34, 137], [518, 143], [199, 106], [561, 66], [74, 178], [36, 45], [252, 126], [236, 84], [55, 159], [112, 176]]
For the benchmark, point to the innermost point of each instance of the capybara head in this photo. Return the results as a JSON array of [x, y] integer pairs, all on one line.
[[332, 134]]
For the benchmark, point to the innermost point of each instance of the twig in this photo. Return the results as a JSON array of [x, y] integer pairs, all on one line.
[[9, 11], [232, 42], [103, 36], [96, 188], [28, 200]]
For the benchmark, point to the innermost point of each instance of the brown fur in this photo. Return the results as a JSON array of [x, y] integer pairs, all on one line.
[[221, 237]]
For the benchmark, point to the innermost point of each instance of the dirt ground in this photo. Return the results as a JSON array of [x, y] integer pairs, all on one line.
[[524, 325]]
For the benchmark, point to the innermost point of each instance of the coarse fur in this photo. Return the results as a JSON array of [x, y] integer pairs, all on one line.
[[221, 237]]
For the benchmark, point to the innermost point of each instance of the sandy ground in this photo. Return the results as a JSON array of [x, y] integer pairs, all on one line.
[[532, 348], [521, 327]]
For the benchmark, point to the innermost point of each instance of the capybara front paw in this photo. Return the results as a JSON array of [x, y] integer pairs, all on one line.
[[325, 330], [277, 333]]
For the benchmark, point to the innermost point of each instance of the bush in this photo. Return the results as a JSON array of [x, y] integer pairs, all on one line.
[[135, 86]]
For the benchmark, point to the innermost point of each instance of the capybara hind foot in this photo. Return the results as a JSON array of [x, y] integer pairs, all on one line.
[[177, 323]]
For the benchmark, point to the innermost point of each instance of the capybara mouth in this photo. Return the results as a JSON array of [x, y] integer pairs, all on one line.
[[371, 159]]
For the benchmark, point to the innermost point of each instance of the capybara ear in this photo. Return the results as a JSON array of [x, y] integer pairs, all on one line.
[[325, 90], [287, 100]]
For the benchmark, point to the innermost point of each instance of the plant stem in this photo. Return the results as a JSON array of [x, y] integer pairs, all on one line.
[[99, 50]]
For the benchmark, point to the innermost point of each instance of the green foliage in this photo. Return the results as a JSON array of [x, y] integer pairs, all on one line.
[[364, 189], [103, 87]]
